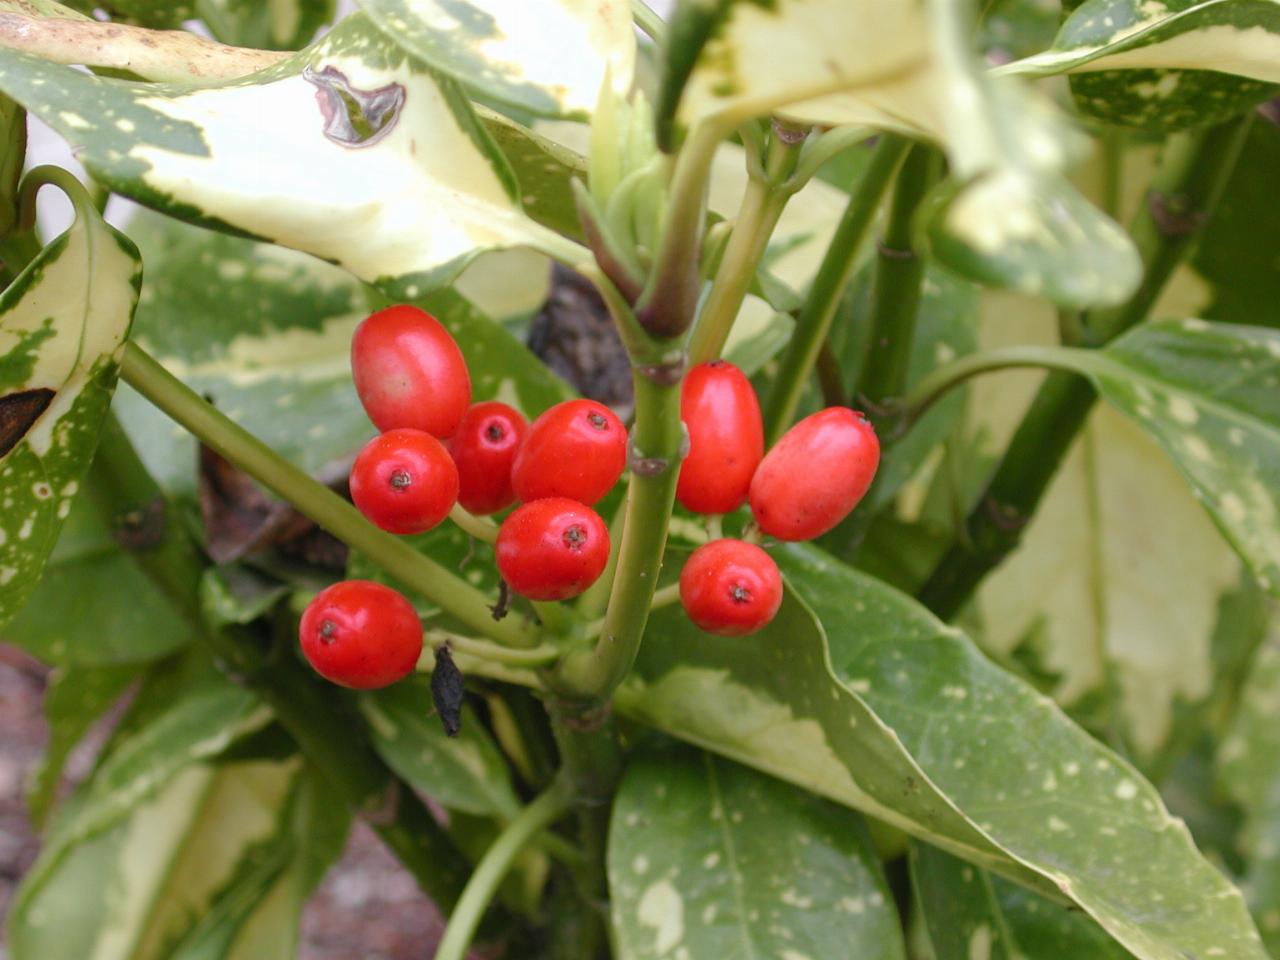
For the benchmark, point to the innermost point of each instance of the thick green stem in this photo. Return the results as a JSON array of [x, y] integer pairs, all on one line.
[[165, 551], [316, 501], [762, 205], [896, 290], [828, 286], [670, 297], [1192, 175], [494, 865], [656, 441]]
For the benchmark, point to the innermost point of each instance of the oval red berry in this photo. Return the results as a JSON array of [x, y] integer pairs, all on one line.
[[360, 634], [484, 448], [404, 481], [552, 549], [577, 449], [409, 371], [726, 438], [815, 474], [730, 588]]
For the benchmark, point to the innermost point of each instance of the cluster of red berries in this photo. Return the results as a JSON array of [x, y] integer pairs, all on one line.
[[437, 449]]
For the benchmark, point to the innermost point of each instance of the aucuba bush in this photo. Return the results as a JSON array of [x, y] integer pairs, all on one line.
[[838, 638]]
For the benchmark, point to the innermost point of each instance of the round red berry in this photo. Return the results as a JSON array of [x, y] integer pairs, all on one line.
[[360, 634], [577, 449], [730, 588], [815, 474], [409, 371], [484, 448], [404, 481], [726, 438], [552, 549]]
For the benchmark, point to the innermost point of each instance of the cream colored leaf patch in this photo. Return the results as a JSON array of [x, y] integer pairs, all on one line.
[[351, 151], [1227, 36], [63, 323], [1009, 218], [550, 57]]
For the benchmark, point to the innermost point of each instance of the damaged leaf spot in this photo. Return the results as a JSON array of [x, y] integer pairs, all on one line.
[[18, 414], [354, 117]]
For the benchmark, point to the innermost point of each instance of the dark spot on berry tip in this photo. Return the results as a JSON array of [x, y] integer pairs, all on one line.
[[495, 432], [598, 421], [739, 594], [575, 537], [328, 632], [401, 479], [717, 364]]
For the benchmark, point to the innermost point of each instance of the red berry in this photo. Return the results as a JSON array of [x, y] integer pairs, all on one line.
[[730, 588], [404, 481], [409, 372], [726, 438], [360, 634], [815, 474], [577, 449], [484, 447], [552, 549]]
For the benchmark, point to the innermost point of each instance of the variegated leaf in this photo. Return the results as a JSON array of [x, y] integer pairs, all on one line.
[[266, 333], [216, 863], [1166, 65], [63, 324], [466, 772], [549, 57], [710, 859], [970, 913], [121, 616], [1010, 218], [1249, 768], [1117, 587], [857, 693], [403, 198], [1207, 394]]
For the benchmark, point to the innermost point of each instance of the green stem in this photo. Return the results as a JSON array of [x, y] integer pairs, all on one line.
[[316, 501], [648, 21], [1192, 175], [166, 553], [662, 597], [818, 150], [896, 290], [670, 297], [656, 439], [935, 385], [538, 656], [828, 286], [493, 866], [762, 205], [482, 528]]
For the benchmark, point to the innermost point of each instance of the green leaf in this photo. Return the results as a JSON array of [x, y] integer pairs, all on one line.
[[279, 25], [1236, 254], [710, 859], [1168, 65], [548, 57], [1116, 587], [1009, 218], [971, 913], [266, 333], [544, 168], [464, 773], [215, 864], [1206, 393], [857, 693], [119, 617], [403, 198], [1249, 769], [63, 324], [75, 699]]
